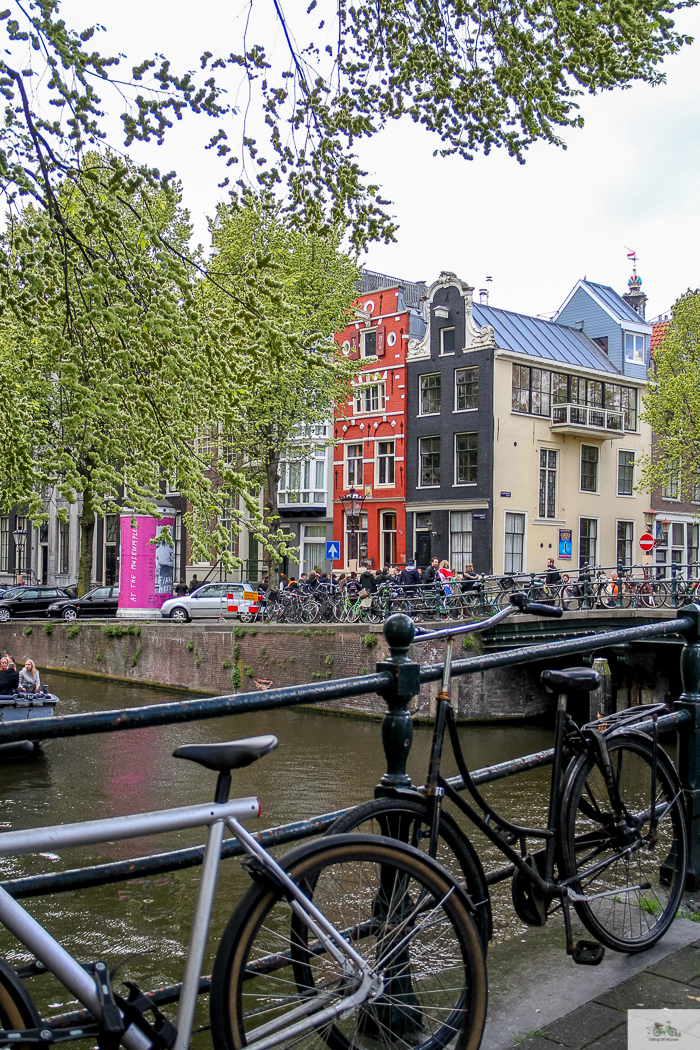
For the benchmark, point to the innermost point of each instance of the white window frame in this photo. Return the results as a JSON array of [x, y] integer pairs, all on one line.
[[522, 514], [456, 407], [364, 333], [455, 556], [596, 519], [596, 490], [379, 458], [356, 459], [421, 377], [635, 354], [443, 352], [625, 521], [428, 437], [383, 533], [456, 482], [626, 495], [546, 516], [361, 392]]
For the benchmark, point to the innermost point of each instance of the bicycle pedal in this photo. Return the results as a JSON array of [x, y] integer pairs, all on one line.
[[588, 953]]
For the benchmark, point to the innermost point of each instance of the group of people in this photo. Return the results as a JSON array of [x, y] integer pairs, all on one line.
[[438, 574], [13, 681]]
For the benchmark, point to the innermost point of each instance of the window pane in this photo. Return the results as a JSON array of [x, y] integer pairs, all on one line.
[[467, 388], [430, 461], [460, 540], [430, 394], [448, 340], [589, 468], [560, 388], [4, 544], [370, 344], [466, 456], [625, 473], [548, 483], [385, 457], [515, 532], [625, 531], [588, 541], [355, 472], [521, 388], [540, 392]]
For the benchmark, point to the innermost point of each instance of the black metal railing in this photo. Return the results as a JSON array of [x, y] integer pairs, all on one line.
[[398, 680]]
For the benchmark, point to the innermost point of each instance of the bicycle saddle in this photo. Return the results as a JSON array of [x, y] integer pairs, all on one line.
[[572, 679], [233, 754]]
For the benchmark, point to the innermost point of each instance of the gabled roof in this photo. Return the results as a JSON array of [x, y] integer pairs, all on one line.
[[657, 335], [614, 302], [542, 339]]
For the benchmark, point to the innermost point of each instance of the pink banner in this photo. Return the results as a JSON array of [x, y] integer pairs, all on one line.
[[146, 578]]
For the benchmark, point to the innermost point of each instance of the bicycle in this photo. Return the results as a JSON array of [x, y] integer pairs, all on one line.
[[343, 941], [615, 832]]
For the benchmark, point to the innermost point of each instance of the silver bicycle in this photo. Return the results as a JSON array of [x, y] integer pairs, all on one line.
[[352, 941]]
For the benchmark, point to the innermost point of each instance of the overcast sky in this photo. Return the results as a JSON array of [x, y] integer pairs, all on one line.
[[629, 179]]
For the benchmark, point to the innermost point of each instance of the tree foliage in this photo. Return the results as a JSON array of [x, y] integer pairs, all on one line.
[[672, 404], [294, 373]]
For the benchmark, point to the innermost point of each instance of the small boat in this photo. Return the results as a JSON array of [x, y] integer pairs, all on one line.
[[16, 707]]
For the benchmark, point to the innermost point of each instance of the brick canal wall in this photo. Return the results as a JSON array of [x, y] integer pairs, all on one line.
[[213, 659]]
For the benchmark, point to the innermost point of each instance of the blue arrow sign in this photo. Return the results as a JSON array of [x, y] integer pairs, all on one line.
[[332, 550]]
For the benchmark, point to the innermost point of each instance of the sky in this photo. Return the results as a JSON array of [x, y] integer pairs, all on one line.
[[629, 180]]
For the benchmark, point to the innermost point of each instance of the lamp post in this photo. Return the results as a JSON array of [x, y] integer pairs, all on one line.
[[352, 505], [20, 538]]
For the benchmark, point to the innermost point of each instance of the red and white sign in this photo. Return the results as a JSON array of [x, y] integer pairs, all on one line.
[[243, 603], [646, 542]]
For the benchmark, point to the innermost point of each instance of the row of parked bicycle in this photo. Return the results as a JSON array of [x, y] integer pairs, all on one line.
[[590, 588]]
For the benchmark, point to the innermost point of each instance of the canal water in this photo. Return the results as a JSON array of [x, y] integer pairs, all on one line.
[[324, 763]]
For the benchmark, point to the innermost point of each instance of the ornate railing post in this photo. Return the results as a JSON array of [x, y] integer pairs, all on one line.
[[689, 740], [674, 587], [397, 724], [532, 587], [620, 570]]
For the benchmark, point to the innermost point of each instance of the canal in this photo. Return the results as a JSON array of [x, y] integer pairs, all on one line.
[[324, 763]]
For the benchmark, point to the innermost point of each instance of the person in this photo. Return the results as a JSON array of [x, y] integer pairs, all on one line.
[[445, 575], [195, 583], [352, 585], [469, 578], [283, 581], [181, 587], [29, 679], [409, 575], [293, 586], [552, 575], [9, 677], [303, 579], [382, 575], [431, 573], [368, 582]]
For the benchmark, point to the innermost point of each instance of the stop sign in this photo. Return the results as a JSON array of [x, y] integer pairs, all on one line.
[[646, 542]]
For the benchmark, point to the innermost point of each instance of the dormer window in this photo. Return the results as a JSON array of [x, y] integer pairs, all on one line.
[[634, 348]]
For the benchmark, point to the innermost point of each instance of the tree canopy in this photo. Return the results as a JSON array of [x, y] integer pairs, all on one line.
[[672, 405]]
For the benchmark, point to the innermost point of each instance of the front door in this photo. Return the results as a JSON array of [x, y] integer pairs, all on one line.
[[423, 549]]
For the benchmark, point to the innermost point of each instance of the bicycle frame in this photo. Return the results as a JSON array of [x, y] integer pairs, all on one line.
[[216, 816]]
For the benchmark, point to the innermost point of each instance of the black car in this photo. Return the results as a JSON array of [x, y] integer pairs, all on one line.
[[101, 601], [28, 601]]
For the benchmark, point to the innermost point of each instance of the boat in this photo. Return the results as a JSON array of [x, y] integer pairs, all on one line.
[[16, 707]]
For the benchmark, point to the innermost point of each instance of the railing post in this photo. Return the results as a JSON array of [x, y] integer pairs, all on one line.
[[397, 724], [689, 741], [674, 587], [532, 586], [618, 602]]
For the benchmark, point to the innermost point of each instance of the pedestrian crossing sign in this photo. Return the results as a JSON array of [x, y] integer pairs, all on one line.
[[332, 550]]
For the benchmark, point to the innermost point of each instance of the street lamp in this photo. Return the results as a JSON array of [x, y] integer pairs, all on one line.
[[352, 505], [20, 538]]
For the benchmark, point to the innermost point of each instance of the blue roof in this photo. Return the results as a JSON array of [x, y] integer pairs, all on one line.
[[544, 339], [614, 302]]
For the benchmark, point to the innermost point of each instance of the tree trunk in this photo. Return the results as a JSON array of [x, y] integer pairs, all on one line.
[[271, 515], [87, 531]]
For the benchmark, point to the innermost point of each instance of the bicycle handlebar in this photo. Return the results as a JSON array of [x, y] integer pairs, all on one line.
[[518, 603], [523, 603]]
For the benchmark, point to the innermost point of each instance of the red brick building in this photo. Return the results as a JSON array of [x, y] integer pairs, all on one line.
[[370, 428]]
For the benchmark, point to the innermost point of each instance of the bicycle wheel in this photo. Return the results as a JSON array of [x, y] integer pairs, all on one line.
[[662, 593], [453, 605], [643, 879], [410, 820], [17, 1009], [401, 912], [311, 613]]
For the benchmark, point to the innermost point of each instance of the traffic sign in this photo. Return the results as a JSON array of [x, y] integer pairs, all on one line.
[[332, 550], [646, 542]]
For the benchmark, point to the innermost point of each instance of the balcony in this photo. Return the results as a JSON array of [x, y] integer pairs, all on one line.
[[588, 421], [301, 502]]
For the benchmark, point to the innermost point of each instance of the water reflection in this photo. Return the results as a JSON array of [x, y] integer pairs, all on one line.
[[324, 763]]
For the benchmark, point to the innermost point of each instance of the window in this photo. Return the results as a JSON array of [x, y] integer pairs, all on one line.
[[302, 481], [536, 390], [623, 399], [460, 539], [314, 549], [560, 388], [531, 390], [429, 461], [447, 340], [695, 488], [521, 389], [467, 388], [430, 394], [21, 550], [671, 488], [589, 468], [548, 483], [625, 535], [356, 543], [206, 443], [424, 521], [385, 459], [466, 454], [389, 549], [625, 473], [692, 549], [370, 397], [588, 542], [354, 462], [63, 546], [515, 535], [369, 344], [4, 543], [634, 348]]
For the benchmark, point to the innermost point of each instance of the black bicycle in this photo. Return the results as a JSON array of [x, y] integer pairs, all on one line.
[[615, 842]]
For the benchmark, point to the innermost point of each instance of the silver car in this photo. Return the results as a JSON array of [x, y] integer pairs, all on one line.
[[209, 600]]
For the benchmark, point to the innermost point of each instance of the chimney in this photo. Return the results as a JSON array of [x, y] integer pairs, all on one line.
[[484, 296]]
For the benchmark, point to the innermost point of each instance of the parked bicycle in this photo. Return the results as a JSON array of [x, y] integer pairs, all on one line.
[[614, 845], [350, 941]]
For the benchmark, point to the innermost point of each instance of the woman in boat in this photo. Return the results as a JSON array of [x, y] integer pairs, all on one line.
[[29, 680], [9, 679]]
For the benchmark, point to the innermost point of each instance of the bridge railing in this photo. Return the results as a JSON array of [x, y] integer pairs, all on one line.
[[398, 680]]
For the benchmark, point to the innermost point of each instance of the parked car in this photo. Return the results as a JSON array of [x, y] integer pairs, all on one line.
[[28, 601], [210, 600], [100, 601]]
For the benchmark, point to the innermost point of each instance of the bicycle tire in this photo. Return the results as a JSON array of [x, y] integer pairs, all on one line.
[[410, 820], [625, 921], [373, 889], [17, 1009]]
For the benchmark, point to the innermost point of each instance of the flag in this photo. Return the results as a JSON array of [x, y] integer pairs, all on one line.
[[631, 255]]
